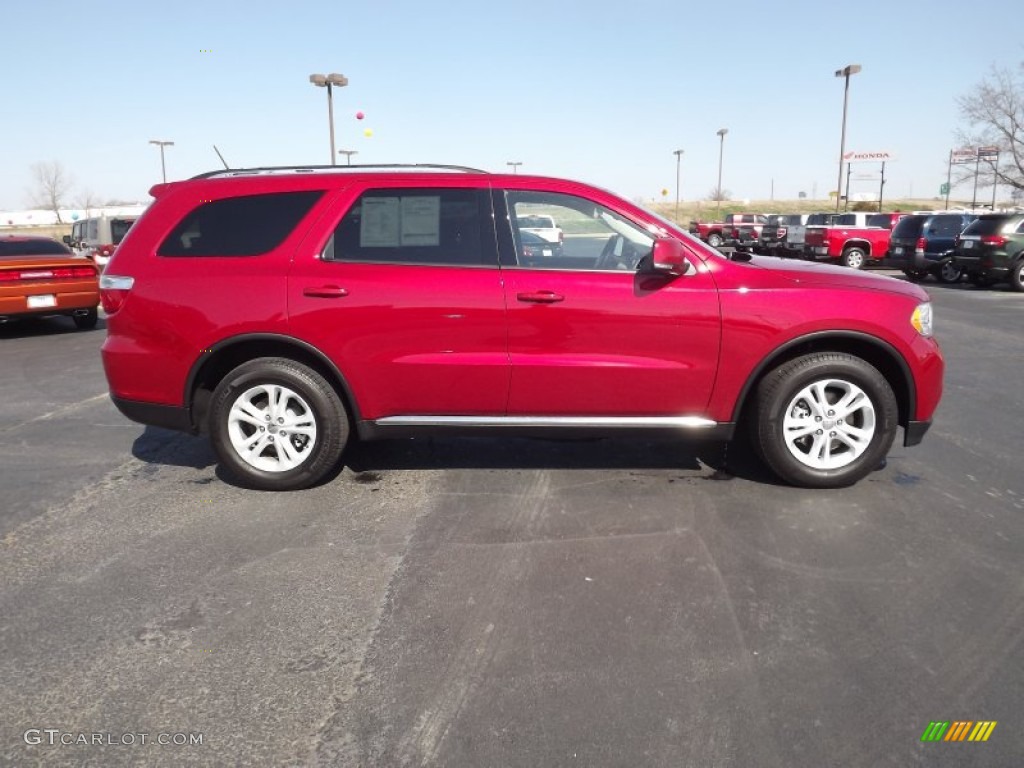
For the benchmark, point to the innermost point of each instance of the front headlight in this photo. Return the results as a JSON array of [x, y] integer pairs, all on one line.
[[922, 319]]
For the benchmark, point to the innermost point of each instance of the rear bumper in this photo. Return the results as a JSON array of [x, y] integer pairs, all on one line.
[[156, 415]]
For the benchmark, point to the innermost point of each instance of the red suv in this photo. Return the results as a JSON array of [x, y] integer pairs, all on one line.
[[284, 310]]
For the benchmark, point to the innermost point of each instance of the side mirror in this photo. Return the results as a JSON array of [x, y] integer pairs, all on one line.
[[667, 257], [66, 239]]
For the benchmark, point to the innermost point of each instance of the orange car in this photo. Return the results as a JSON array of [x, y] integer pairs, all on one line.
[[40, 277]]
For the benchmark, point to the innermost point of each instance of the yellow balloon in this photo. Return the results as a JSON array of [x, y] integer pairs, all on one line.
[[368, 132], [664, 193]]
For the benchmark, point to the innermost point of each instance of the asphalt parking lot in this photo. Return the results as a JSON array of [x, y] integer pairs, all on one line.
[[508, 603]]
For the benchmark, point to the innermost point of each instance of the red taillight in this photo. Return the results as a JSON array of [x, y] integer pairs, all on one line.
[[57, 273], [997, 240], [735, 233], [113, 291], [920, 244]]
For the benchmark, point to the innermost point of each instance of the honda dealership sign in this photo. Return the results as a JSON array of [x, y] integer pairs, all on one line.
[[868, 157]]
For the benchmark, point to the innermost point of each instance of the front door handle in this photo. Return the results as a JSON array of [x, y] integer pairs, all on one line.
[[325, 292], [541, 297]]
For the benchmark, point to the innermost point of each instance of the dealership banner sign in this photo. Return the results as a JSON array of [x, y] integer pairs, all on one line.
[[869, 157]]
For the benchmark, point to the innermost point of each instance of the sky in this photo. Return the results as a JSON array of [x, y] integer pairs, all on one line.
[[596, 91]]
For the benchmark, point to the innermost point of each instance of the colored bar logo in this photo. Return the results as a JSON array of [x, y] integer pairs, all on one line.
[[958, 730]]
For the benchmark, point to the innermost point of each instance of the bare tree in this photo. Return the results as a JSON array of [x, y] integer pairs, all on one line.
[[719, 194], [994, 114], [52, 184], [87, 200]]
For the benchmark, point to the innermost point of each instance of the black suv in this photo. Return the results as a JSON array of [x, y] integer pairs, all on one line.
[[923, 244], [992, 249]]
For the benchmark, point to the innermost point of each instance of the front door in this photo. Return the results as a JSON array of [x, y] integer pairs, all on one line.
[[589, 334]]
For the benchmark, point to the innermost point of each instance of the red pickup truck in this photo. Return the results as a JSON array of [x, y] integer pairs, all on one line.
[[853, 239], [711, 232]]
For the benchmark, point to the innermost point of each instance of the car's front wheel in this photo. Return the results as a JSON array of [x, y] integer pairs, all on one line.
[[824, 420], [715, 240], [277, 425]]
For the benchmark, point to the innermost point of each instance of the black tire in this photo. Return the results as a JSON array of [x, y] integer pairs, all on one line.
[[949, 272], [779, 392], [1017, 275], [854, 258], [87, 321], [715, 240], [313, 398]]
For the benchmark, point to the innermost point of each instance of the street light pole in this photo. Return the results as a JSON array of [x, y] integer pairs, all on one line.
[[515, 166], [679, 156], [321, 81], [721, 149], [163, 165], [348, 154], [849, 69]]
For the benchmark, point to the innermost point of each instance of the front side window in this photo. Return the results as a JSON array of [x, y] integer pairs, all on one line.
[[239, 226], [594, 237], [428, 226]]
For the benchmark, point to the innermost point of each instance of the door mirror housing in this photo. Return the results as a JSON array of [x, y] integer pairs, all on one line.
[[668, 257], [67, 239]]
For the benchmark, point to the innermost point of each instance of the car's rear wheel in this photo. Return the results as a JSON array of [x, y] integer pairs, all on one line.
[[277, 425], [853, 258], [948, 272], [824, 420], [715, 240], [88, 320], [1017, 275]]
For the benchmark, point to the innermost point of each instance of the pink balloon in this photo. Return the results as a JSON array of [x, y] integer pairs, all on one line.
[[360, 115]]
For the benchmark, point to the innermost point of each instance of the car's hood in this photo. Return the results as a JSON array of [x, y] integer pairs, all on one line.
[[812, 274]]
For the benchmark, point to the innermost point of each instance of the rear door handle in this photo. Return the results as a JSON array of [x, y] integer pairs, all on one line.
[[541, 297], [325, 292]]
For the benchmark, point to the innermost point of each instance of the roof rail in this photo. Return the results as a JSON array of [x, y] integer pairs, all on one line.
[[229, 172]]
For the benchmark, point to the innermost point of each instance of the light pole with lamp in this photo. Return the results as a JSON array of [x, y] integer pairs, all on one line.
[[321, 81], [348, 154], [721, 149], [163, 166], [515, 166], [849, 69], [679, 156]]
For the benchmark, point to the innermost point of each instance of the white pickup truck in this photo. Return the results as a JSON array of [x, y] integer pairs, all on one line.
[[541, 225]]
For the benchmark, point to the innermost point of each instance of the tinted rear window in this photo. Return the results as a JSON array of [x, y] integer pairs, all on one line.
[[909, 227], [880, 220], [239, 226], [33, 248], [817, 219], [988, 225], [119, 228]]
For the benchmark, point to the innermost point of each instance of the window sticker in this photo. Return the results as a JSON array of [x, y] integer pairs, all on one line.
[[421, 221], [379, 226]]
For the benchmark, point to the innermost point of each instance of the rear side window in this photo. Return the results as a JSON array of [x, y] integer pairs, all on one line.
[[945, 226], [417, 226], [239, 226], [987, 225]]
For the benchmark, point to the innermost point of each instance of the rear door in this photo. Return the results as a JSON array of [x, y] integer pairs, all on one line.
[[589, 335], [399, 285]]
